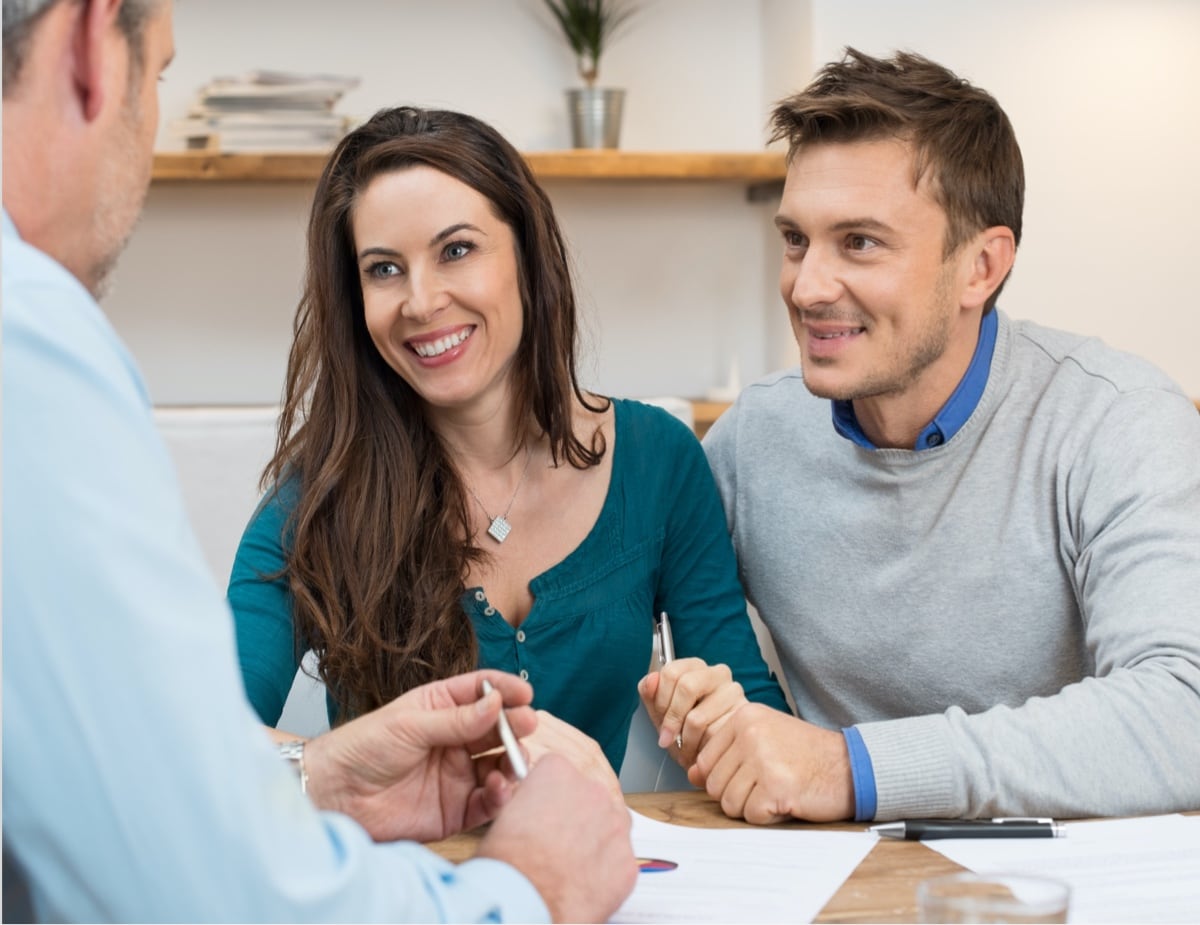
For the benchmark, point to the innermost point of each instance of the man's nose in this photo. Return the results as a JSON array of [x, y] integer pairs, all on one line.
[[812, 280]]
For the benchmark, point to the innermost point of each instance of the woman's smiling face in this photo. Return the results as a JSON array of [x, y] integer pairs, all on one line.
[[440, 284]]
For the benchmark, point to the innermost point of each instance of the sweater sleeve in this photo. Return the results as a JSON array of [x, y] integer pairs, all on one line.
[[1122, 741], [262, 609], [698, 585]]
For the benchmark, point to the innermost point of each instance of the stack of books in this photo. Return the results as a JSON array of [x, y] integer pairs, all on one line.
[[267, 111]]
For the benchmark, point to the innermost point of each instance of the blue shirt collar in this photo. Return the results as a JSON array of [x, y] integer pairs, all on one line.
[[953, 415]]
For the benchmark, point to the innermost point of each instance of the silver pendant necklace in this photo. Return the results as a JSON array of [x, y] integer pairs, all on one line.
[[500, 528]]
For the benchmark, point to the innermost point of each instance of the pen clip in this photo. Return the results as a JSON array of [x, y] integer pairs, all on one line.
[[666, 645]]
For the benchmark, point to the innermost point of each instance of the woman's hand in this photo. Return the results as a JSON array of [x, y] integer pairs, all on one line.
[[553, 735], [687, 701]]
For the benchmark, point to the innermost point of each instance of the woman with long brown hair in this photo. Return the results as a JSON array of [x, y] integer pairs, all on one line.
[[444, 494]]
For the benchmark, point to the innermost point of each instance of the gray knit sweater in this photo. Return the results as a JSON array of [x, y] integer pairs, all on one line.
[[1012, 619]]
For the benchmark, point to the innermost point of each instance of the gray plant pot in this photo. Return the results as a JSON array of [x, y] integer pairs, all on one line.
[[595, 116]]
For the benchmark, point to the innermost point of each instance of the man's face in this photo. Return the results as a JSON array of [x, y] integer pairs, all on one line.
[[126, 164], [873, 304]]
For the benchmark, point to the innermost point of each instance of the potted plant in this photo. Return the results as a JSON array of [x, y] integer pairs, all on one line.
[[588, 27]]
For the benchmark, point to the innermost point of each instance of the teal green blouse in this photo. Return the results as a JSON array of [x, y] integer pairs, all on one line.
[[660, 543]]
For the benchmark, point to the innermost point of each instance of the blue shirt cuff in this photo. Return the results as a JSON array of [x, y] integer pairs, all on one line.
[[863, 775]]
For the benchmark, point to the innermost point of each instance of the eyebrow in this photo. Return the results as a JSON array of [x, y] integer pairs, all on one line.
[[377, 252], [436, 239], [848, 224], [454, 229]]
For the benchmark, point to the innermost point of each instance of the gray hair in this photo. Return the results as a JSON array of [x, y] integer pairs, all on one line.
[[21, 18]]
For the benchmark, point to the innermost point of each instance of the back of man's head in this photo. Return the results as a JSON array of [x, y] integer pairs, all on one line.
[[21, 18], [963, 143]]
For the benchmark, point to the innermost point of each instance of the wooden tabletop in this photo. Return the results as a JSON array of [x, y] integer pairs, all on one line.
[[881, 889]]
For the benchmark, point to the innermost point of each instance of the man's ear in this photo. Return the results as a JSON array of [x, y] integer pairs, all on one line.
[[994, 250], [94, 49]]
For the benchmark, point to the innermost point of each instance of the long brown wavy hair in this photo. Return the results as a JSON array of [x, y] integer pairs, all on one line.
[[380, 537]]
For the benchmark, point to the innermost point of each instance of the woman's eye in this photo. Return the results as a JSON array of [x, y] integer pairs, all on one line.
[[456, 250], [383, 269]]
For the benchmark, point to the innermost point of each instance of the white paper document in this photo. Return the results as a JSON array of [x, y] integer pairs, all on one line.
[[737, 875], [1119, 870]]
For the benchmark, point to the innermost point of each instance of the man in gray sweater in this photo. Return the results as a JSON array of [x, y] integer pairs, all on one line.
[[975, 540]]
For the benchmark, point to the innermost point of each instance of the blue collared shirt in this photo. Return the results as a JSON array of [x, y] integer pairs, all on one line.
[[945, 424], [138, 784], [953, 415]]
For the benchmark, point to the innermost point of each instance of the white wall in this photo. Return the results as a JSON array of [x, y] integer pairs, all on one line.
[[678, 280], [672, 278], [1103, 97]]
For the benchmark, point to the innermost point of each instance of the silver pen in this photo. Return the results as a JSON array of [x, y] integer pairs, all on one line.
[[513, 750], [666, 653]]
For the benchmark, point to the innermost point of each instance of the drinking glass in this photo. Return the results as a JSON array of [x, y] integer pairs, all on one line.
[[996, 897]]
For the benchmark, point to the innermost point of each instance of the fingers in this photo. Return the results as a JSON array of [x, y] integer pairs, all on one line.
[[472, 725], [691, 696], [551, 856], [485, 802], [467, 688], [558, 737], [730, 768]]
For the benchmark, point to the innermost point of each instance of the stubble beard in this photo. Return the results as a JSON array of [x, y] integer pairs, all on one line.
[[122, 183], [902, 367]]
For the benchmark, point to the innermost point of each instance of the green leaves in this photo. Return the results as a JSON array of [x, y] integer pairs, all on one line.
[[588, 25]]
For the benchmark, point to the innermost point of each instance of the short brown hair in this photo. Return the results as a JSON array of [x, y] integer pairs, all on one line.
[[960, 136]]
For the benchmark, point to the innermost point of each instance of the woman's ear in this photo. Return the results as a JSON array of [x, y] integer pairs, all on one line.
[[101, 57], [994, 250]]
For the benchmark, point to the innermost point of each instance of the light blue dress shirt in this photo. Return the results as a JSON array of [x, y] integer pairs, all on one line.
[[138, 783]]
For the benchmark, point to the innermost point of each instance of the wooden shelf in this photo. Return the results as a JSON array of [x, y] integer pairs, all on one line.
[[705, 413], [754, 168]]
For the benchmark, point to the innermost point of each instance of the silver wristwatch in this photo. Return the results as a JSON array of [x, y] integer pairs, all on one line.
[[293, 753]]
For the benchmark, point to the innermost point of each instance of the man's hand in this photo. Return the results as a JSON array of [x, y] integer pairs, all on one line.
[[406, 770], [570, 838], [765, 766], [689, 699]]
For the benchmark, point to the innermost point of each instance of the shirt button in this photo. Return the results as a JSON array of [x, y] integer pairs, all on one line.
[[934, 439], [489, 610], [479, 595], [524, 675], [520, 635]]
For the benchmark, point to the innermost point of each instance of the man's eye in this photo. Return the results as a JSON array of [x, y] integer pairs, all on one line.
[[794, 239], [860, 242]]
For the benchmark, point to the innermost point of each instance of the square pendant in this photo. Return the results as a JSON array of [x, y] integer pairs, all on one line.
[[499, 529]]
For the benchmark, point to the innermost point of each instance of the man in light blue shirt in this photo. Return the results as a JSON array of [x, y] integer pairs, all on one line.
[[138, 784]]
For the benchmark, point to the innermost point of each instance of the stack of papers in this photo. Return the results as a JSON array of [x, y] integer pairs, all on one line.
[[267, 111], [1119, 870], [737, 875]]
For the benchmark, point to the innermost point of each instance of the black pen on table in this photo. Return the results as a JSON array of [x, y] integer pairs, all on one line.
[[666, 654], [926, 829]]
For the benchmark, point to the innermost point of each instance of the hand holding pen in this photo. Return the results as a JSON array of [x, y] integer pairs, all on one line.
[[511, 747], [666, 655], [686, 697]]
